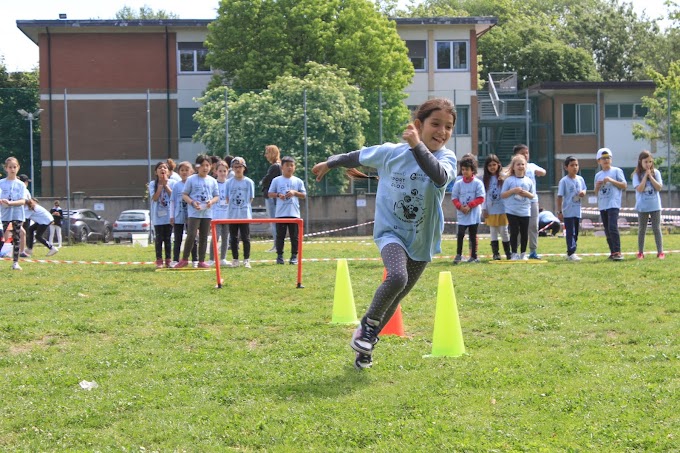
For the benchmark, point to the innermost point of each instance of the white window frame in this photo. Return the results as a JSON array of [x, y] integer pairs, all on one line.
[[425, 59], [578, 119], [452, 45], [194, 52]]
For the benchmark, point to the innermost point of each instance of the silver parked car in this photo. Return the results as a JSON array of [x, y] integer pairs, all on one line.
[[86, 225], [133, 221]]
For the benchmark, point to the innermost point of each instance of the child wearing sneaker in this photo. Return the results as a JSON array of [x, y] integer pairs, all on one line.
[[609, 186], [160, 191], [200, 193], [532, 171], [180, 211], [221, 211], [240, 193], [570, 192], [42, 219], [467, 195], [288, 191], [648, 183], [518, 190], [13, 196], [493, 209], [409, 219]]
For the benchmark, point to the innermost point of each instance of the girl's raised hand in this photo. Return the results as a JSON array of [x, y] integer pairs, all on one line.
[[320, 170], [411, 135]]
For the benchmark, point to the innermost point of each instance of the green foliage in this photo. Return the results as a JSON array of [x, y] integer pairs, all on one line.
[[585, 363], [276, 116], [254, 42], [395, 115], [144, 13], [656, 127], [19, 90]]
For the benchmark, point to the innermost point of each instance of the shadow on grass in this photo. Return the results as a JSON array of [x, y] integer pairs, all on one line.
[[348, 381]]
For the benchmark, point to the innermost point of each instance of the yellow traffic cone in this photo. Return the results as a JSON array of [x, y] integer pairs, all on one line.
[[447, 339], [344, 311]]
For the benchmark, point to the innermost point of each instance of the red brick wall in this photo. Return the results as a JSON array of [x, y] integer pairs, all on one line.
[[108, 61]]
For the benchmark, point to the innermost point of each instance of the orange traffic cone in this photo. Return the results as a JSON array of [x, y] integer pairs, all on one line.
[[395, 326]]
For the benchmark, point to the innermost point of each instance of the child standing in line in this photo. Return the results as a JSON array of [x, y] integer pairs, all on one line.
[[493, 209], [467, 196], [42, 219], [288, 191], [14, 196], [160, 190], [609, 186], [273, 156], [200, 193], [532, 171], [180, 212], [518, 190], [221, 211], [409, 219], [55, 228], [647, 182], [571, 190], [240, 193]]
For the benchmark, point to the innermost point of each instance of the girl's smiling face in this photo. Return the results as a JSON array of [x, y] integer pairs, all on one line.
[[12, 168], [222, 173], [436, 130], [519, 168], [184, 172], [492, 167]]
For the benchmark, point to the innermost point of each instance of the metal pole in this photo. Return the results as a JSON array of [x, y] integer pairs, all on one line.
[[668, 141], [226, 120], [380, 107], [68, 167], [148, 144], [30, 125], [304, 106], [528, 117]]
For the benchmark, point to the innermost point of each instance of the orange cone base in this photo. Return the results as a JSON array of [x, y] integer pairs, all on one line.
[[395, 326]]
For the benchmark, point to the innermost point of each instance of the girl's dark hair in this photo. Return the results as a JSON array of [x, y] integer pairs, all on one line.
[[228, 159], [214, 159], [432, 105], [466, 156], [202, 158], [487, 174], [643, 155], [518, 148], [569, 160]]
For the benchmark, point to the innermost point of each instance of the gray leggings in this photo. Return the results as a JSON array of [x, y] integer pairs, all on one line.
[[402, 275], [656, 228]]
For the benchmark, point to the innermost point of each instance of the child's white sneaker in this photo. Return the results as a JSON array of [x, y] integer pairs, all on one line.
[[573, 257], [53, 251], [234, 263], [28, 251], [210, 263], [524, 257], [15, 266], [224, 263], [246, 264], [514, 257]]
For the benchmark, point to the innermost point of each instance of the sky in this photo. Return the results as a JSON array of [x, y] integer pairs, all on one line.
[[21, 54]]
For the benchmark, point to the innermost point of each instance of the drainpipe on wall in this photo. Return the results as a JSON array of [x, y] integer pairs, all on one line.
[[597, 118], [49, 108], [167, 90]]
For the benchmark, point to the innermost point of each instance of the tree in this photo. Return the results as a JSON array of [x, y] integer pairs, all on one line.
[[145, 13], [276, 115], [19, 90], [253, 42], [657, 119]]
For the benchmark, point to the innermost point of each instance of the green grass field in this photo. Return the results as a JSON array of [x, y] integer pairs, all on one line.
[[560, 356]]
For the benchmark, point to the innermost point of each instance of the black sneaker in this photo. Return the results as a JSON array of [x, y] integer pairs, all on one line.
[[496, 256], [366, 336], [293, 259], [363, 361], [279, 260]]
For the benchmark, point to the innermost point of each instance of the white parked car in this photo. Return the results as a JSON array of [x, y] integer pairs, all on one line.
[[133, 221]]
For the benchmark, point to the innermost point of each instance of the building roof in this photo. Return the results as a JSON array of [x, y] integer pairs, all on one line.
[[589, 87], [32, 28]]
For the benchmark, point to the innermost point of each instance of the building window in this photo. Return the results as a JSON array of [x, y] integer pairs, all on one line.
[[417, 52], [613, 111], [187, 125], [578, 118], [462, 120], [192, 56], [452, 55]]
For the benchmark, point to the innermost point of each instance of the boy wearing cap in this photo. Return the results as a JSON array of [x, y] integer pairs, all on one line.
[[609, 186], [240, 192], [287, 189]]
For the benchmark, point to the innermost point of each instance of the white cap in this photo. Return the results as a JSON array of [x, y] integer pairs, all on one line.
[[604, 152]]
